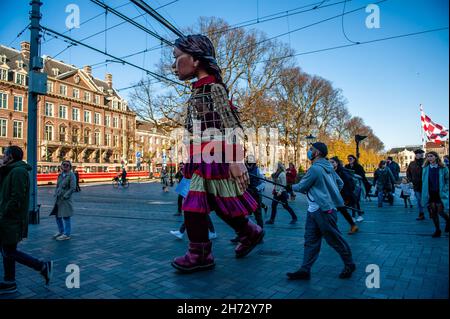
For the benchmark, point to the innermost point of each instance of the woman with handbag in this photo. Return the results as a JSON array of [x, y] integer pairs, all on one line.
[[280, 194], [63, 210]]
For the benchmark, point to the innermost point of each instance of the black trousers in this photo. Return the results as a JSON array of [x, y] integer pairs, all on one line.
[[283, 199], [258, 198], [11, 255]]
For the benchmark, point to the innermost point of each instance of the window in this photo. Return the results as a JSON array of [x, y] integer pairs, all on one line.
[[63, 112], [75, 114], [55, 71], [48, 109], [116, 140], [18, 103], [108, 139], [115, 122], [20, 78], [75, 134], [76, 93], [48, 132], [97, 99], [49, 87], [17, 129], [97, 138], [87, 117], [115, 104], [20, 64], [62, 133], [3, 127], [4, 74], [3, 100], [97, 119], [63, 89], [87, 135], [87, 96], [2, 58], [107, 120]]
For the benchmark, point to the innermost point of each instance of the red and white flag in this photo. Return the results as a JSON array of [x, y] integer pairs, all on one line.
[[434, 132]]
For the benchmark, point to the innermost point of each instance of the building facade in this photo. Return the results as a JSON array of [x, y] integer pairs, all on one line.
[[81, 118]]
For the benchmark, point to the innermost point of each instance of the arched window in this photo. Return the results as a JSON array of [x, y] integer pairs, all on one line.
[[75, 134], [62, 133], [87, 136], [48, 136], [97, 140]]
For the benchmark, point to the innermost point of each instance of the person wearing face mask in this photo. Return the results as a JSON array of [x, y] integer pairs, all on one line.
[[322, 185], [435, 190], [414, 175], [14, 204]]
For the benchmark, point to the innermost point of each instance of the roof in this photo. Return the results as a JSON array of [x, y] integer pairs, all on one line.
[[148, 127], [13, 55], [410, 148]]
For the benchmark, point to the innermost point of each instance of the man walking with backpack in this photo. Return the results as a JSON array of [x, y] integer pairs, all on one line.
[[321, 185]]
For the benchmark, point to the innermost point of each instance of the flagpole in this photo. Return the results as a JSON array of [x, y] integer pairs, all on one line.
[[422, 133]]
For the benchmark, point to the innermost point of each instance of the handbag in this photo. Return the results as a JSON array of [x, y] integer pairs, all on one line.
[[54, 210], [183, 187]]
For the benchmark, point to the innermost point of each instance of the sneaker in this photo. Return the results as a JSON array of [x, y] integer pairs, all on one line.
[[56, 235], [359, 219], [7, 288], [436, 234], [47, 271], [347, 272], [63, 237], [177, 234], [299, 275], [353, 230], [269, 222], [212, 235]]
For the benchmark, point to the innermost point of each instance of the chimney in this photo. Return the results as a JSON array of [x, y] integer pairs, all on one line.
[[25, 50], [108, 79], [87, 69]]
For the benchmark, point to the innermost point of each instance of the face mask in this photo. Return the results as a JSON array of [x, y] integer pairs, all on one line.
[[310, 155]]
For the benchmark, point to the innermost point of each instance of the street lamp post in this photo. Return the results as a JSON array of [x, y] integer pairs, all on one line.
[[358, 139]]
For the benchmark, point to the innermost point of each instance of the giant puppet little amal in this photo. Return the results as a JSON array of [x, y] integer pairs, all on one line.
[[218, 185]]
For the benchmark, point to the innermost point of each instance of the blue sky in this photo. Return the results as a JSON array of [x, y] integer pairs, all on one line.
[[384, 82]]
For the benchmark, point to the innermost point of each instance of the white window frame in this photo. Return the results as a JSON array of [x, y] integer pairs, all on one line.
[[116, 141], [3, 126], [89, 118], [46, 113], [87, 96], [97, 99], [99, 135], [77, 111], [97, 118], [21, 104], [3, 74], [115, 122], [45, 132], [20, 76], [2, 106], [108, 139], [107, 120], [62, 107], [77, 95], [50, 87], [3, 59], [63, 89], [20, 136]]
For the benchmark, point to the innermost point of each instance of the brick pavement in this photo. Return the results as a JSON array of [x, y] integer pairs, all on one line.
[[121, 243]]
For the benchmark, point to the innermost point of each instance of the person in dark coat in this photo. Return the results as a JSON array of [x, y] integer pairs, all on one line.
[[14, 201], [414, 175], [354, 165], [384, 182], [394, 167], [347, 192], [77, 179]]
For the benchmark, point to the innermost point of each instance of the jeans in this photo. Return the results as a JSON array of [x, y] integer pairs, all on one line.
[[323, 224], [418, 196], [11, 255], [64, 227]]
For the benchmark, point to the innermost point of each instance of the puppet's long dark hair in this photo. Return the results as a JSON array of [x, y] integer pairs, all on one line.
[[202, 49]]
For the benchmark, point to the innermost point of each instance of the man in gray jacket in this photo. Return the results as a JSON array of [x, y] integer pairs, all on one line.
[[321, 185]]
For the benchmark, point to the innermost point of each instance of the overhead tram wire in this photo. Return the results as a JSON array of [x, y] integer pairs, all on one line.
[[90, 19], [109, 28], [342, 25], [317, 5], [76, 42], [355, 44], [153, 13], [19, 34]]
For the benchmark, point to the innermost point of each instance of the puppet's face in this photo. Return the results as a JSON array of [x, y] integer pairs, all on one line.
[[185, 66]]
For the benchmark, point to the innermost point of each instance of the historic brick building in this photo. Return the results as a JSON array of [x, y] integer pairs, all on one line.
[[81, 118]]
